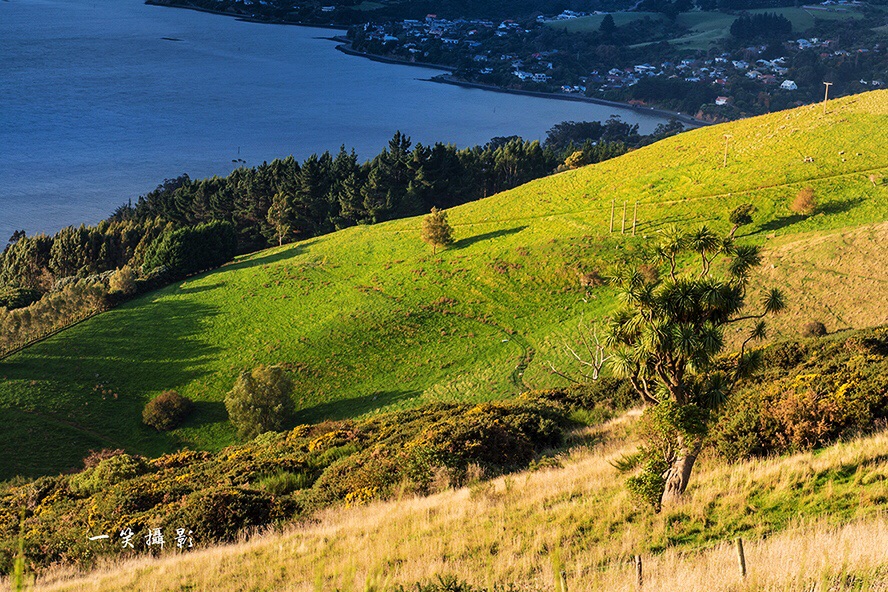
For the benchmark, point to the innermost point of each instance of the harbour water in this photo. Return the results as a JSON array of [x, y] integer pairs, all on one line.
[[100, 100]]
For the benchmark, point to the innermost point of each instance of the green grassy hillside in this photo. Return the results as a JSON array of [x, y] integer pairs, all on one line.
[[367, 318]]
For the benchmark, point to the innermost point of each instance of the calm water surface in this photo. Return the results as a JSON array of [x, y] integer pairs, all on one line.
[[100, 100]]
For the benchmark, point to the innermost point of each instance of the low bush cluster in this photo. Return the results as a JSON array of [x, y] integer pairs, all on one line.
[[166, 411], [804, 203], [274, 478], [810, 394], [607, 394], [56, 310], [13, 298]]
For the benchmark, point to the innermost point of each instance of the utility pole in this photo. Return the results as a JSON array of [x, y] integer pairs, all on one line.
[[826, 95], [613, 207], [727, 139]]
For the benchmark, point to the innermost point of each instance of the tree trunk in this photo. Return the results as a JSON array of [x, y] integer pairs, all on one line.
[[679, 474]]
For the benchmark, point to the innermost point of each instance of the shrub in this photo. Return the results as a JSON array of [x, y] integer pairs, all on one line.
[[274, 477], [649, 273], [804, 203], [608, 393], [260, 401], [123, 280], [784, 355], [814, 329], [166, 411], [647, 486], [575, 160], [96, 456], [221, 513], [808, 398], [108, 472], [741, 216], [12, 298]]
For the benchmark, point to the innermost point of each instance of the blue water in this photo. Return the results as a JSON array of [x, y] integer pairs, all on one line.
[[96, 107]]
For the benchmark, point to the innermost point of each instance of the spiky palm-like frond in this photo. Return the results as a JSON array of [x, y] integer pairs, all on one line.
[[748, 363], [623, 364], [745, 258], [712, 294], [685, 340], [728, 247], [672, 237], [716, 391], [627, 462], [703, 240], [759, 331], [712, 340], [773, 301]]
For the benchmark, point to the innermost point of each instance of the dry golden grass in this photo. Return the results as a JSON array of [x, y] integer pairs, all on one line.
[[834, 278], [514, 530]]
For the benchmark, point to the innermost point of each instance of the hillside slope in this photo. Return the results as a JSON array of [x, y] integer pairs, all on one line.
[[823, 513], [367, 318]]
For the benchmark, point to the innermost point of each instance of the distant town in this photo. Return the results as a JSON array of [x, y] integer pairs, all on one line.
[[472, 47], [715, 60]]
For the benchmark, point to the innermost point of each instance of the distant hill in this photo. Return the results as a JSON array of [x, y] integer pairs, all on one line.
[[367, 318]]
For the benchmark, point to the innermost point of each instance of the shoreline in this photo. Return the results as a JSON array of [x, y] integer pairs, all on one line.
[[345, 46], [246, 19], [689, 121]]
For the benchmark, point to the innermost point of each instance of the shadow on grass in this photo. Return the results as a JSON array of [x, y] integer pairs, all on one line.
[[829, 208], [293, 250], [349, 408], [840, 206], [779, 223], [35, 445], [206, 413], [91, 381], [198, 289], [649, 226], [465, 242]]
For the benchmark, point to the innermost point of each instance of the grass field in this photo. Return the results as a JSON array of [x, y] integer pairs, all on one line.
[[810, 522], [707, 28], [710, 27], [367, 318], [593, 22]]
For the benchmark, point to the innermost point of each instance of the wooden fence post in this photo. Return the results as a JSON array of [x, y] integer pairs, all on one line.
[[613, 207], [634, 218], [639, 572], [623, 227], [741, 558]]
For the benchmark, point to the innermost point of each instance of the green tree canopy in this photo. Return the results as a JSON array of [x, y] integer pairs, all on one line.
[[436, 230], [260, 401]]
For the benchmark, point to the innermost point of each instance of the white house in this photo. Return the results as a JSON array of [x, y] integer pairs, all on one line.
[[788, 85]]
